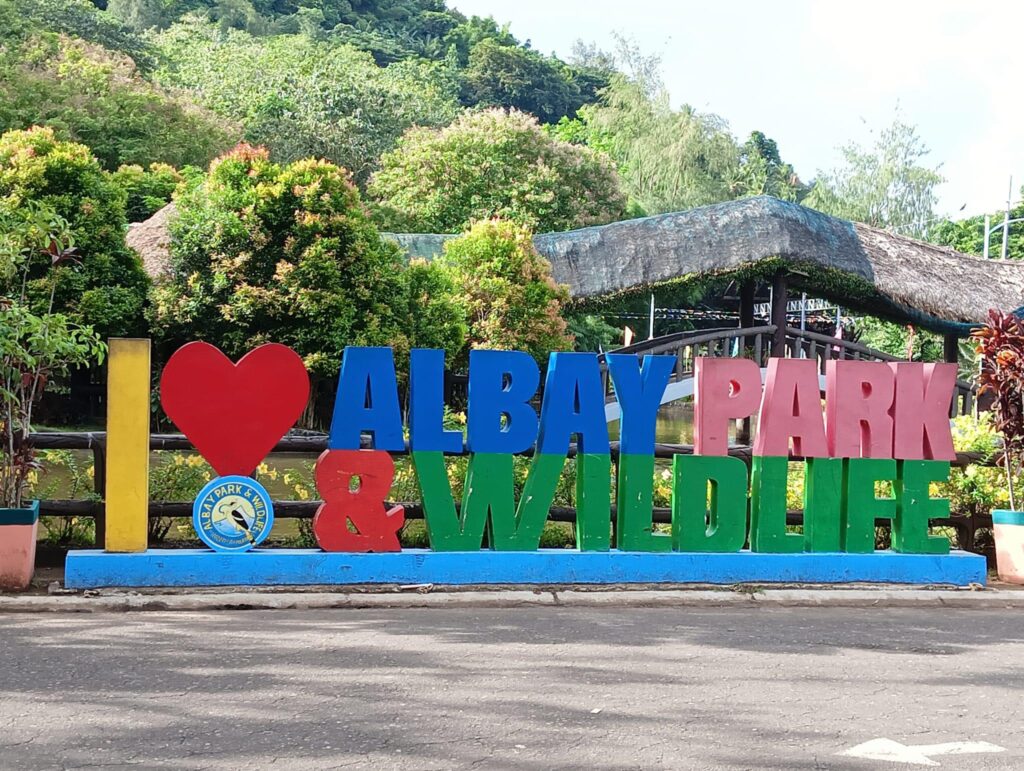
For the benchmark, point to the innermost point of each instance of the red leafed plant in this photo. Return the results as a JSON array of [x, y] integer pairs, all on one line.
[[1001, 344]]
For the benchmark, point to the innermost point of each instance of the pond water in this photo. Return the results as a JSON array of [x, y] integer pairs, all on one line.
[[674, 425]]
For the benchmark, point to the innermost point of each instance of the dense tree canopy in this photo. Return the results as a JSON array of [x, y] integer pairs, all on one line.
[[75, 18], [493, 163], [263, 251], [97, 97], [508, 76], [108, 289], [672, 160], [448, 122], [302, 98]]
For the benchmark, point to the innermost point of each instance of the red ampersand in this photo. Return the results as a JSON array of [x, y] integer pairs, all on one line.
[[377, 527]]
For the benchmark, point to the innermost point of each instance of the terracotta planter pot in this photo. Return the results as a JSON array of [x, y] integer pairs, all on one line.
[[1008, 527], [18, 530]]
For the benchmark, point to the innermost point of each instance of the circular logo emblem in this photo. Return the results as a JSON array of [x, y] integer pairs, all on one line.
[[233, 513]]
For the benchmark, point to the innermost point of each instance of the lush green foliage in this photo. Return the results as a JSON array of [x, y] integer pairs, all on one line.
[[493, 163], [763, 172], [430, 308], [672, 160], [302, 98], [898, 340], [34, 347], [968, 235], [592, 333], [90, 95], [512, 77], [511, 301], [263, 251], [148, 190], [978, 489], [494, 68], [77, 19], [887, 185], [108, 290]]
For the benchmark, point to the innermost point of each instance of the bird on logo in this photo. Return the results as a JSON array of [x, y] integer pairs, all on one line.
[[230, 510], [239, 519]]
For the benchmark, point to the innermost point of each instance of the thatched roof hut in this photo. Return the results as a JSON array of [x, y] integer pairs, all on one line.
[[152, 240], [856, 265]]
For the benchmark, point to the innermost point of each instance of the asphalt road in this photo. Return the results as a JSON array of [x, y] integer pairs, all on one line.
[[526, 688]]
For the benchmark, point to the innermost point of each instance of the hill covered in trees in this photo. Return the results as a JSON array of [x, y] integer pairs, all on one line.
[[437, 121]]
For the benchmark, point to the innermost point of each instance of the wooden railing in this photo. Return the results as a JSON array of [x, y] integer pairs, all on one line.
[[313, 444], [756, 343]]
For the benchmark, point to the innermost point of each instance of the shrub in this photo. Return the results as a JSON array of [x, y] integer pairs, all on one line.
[[36, 345], [511, 301], [263, 252], [108, 289], [977, 489], [148, 190], [1001, 343], [493, 163]]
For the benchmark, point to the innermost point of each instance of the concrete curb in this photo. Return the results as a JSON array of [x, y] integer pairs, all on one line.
[[572, 598]]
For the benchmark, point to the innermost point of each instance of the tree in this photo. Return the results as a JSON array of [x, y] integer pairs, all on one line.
[[670, 160], [493, 163], [267, 252], [905, 342], [511, 301], [886, 186], [513, 77], [429, 304], [138, 15], [303, 98], [763, 172], [108, 290], [592, 333]]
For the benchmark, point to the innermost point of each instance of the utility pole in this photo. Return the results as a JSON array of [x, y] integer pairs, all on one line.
[[988, 231], [1006, 221]]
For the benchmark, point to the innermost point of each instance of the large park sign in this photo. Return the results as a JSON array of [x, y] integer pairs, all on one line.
[[881, 423]]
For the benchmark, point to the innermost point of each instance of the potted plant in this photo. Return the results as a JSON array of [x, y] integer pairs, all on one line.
[[1001, 346], [35, 345]]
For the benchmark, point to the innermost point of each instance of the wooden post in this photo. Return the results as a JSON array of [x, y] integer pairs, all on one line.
[[747, 308], [951, 348], [779, 312], [128, 410], [951, 354], [747, 289]]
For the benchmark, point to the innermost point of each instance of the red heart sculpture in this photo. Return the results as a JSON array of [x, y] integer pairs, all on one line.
[[234, 414]]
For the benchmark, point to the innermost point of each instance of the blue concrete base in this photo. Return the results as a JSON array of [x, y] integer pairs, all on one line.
[[296, 567]]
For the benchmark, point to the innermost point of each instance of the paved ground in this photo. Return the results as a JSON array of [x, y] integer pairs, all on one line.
[[522, 688]]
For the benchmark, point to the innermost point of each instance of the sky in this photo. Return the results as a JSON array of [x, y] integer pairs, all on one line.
[[817, 75]]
